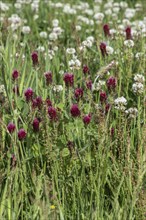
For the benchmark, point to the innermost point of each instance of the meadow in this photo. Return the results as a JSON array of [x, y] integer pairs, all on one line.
[[72, 110]]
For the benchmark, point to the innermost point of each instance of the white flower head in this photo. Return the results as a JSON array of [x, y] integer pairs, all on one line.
[[138, 88], [129, 43], [70, 51], [26, 29], [120, 103], [139, 78], [43, 34], [109, 50]]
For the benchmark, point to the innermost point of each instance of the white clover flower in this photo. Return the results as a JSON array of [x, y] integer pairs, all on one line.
[[130, 13], [99, 16], [55, 48], [138, 88], [97, 86], [123, 4], [55, 23], [17, 5], [120, 103], [26, 29], [129, 43], [108, 12], [109, 50], [53, 36], [74, 63], [58, 88], [41, 49], [35, 6], [78, 27], [57, 30], [87, 43], [138, 55], [35, 17], [90, 38], [139, 78], [132, 112], [70, 51], [43, 34], [4, 6]]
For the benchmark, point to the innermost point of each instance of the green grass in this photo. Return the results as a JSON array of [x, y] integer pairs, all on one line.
[[97, 176]]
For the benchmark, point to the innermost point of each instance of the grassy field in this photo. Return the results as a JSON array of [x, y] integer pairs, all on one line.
[[72, 110]]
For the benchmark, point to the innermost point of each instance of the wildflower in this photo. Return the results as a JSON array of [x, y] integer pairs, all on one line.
[[109, 50], [43, 34], [48, 76], [87, 119], [21, 134], [28, 94], [138, 88], [103, 96], [34, 57], [85, 69], [37, 102], [112, 131], [120, 103], [128, 33], [58, 88], [36, 124], [52, 207], [68, 79], [107, 108], [103, 49], [131, 112], [111, 83], [15, 74], [11, 127], [78, 93], [106, 30], [52, 113], [75, 112], [89, 84], [139, 78], [26, 29], [70, 50], [48, 102], [129, 43]]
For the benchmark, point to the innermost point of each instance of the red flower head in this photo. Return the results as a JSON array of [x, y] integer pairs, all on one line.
[[128, 33], [103, 96], [34, 57], [48, 102], [85, 69], [52, 113], [68, 79], [11, 127], [106, 30], [78, 93], [35, 125], [111, 83], [75, 111], [21, 134], [48, 76], [89, 84], [107, 108], [15, 74], [87, 119], [28, 94], [103, 49]]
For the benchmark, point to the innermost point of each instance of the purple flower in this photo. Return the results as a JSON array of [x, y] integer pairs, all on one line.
[[35, 125], [37, 102], [68, 79], [52, 113], [111, 83], [75, 111], [85, 69], [128, 33], [28, 94], [112, 131], [106, 30], [15, 74], [103, 49], [107, 107], [48, 102], [87, 119], [78, 93], [34, 57], [89, 84], [48, 76], [21, 134], [103, 96], [11, 127]]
